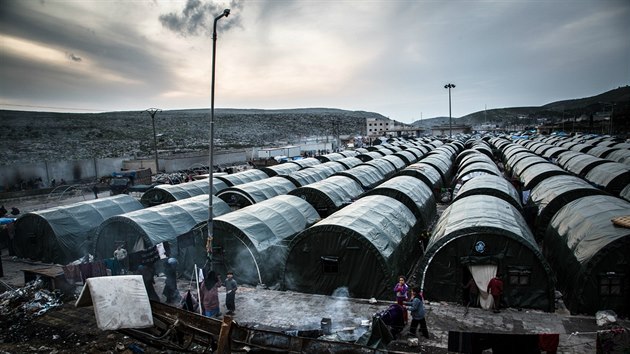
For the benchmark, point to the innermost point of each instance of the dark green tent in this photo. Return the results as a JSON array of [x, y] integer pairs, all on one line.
[[612, 177], [329, 195], [539, 172], [590, 254], [250, 193], [243, 177], [367, 176], [281, 169], [427, 174], [412, 192], [252, 241], [166, 193], [490, 185], [64, 234], [482, 230], [362, 247], [582, 164], [314, 174], [552, 194], [179, 223]]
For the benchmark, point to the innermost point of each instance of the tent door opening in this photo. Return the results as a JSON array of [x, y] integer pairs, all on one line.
[[482, 273]]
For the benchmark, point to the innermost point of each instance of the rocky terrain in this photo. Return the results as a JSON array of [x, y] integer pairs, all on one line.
[[44, 136]]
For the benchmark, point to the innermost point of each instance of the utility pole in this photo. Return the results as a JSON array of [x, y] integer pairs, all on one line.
[[210, 234], [152, 112], [450, 117]]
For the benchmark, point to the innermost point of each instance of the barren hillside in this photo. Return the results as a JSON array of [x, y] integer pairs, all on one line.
[[45, 136]]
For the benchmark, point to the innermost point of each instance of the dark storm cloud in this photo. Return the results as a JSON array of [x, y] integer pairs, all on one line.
[[197, 18], [117, 48]]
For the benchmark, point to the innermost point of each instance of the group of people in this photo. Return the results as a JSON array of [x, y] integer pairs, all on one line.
[[414, 303], [209, 294], [208, 288]]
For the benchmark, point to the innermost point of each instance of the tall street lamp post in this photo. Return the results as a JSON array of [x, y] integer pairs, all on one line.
[[450, 117], [152, 112], [225, 13]]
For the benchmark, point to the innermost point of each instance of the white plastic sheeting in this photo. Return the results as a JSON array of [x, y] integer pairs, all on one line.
[[119, 302]]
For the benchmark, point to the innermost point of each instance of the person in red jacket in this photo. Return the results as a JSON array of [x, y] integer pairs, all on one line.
[[495, 288]]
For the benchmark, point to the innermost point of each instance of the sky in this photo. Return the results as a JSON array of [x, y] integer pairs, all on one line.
[[385, 56]]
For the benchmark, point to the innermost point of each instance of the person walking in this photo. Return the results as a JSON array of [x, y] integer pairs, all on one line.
[[401, 290], [209, 294], [95, 191], [495, 288], [230, 293], [417, 314], [170, 285], [148, 279]]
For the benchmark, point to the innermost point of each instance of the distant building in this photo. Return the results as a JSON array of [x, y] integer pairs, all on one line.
[[377, 127]]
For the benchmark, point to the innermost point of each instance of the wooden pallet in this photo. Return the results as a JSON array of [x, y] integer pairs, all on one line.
[[623, 221]]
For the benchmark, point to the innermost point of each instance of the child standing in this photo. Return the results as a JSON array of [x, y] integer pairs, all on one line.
[[230, 293]]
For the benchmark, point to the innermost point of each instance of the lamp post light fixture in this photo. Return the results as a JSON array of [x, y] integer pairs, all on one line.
[[209, 237], [152, 112], [450, 117]]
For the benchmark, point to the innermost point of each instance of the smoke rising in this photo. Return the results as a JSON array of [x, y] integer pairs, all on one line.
[[197, 18]]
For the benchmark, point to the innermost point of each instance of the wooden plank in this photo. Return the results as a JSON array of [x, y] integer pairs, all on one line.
[[224, 337]]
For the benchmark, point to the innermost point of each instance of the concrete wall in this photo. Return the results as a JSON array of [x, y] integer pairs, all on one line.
[[57, 170], [188, 161], [95, 168]]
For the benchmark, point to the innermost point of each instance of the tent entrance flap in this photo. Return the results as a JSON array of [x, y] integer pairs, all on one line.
[[482, 273]]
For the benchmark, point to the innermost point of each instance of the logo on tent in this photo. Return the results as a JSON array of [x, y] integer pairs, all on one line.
[[480, 246]]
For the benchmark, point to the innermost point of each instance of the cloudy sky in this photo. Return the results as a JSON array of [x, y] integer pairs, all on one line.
[[391, 57]]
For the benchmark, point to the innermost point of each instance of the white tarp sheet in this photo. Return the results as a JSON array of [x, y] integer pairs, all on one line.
[[119, 302]]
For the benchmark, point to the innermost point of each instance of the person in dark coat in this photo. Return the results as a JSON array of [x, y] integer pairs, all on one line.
[[170, 286], [147, 273], [230, 293]]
